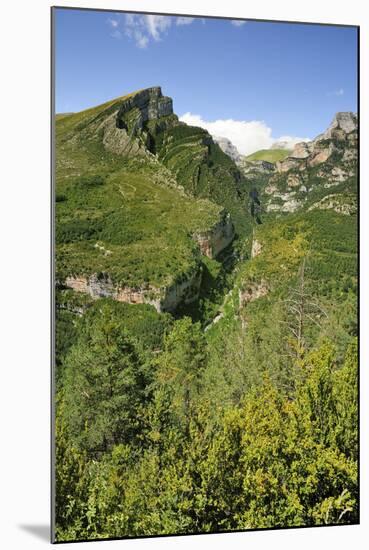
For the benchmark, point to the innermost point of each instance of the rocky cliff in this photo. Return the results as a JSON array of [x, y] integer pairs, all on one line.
[[141, 107], [163, 299], [327, 161], [216, 239], [342, 133], [255, 168], [157, 195], [183, 290]]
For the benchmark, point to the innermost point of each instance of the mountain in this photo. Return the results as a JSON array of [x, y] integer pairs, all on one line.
[[227, 147], [141, 200], [269, 155], [318, 174], [206, 327]]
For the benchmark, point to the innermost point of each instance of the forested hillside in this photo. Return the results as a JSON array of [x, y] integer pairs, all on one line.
[[206, 328]]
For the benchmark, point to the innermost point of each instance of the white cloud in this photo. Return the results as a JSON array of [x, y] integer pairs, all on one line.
[[141, 39], [157, 25], [247, 136], [338, 92], [116, 34], [113, 23], [238, 22], [184, 20], [143, 28]]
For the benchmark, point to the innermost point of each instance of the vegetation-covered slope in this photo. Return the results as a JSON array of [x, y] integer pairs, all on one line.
[[238, 409], [120, 213], [201, 167], [269, 155]]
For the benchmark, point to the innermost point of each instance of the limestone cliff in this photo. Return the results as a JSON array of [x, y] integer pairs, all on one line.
[[252, 291], [341, 125], [163, 299], [184, 290], [142, 106], [343, 129], [327, 161], [216, 239], [167, 164], [255, 168]]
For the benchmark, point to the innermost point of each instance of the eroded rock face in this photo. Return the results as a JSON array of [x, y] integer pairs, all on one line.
[[342, 124], [252, 292], [117, 140], [287, 164], [102, 287], [145, 105], [350, 155], [291, 205], [338, 174], [342, 205], [294, 180], [256, 248], [271, 188], [167, 299], [321, 154], [302, 150], [327, 161], [252, 168], [343, 127], [212, 242], [227, 147]]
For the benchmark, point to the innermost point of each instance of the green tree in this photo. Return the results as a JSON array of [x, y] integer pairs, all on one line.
[[106, 386], [181, 366], [71, 485]]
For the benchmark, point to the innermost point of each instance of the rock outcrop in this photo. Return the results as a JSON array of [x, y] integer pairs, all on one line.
[[345, 205], [183, 291], [227, 147], [256, 248], [216, 239], [163, 299], [142, 106], [342, 129], [288, 164], [252, 292], [327, 161], [342, 124], [302, 150], [252, 168]]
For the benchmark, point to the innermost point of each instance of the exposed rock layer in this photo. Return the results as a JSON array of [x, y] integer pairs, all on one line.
[[145, 105], [167, 299], [215, 240]]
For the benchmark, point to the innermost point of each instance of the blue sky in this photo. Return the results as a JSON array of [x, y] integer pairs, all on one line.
[[261, 80]]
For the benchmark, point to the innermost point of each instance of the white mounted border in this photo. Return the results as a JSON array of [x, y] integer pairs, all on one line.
[[25, 268]]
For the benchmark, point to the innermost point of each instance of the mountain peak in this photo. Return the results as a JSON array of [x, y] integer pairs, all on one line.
[[343, 123], [142, 106], [346, 121]]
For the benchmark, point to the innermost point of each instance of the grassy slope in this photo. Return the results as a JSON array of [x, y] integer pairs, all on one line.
[[124, 205], [202, 168], [270, 155]]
